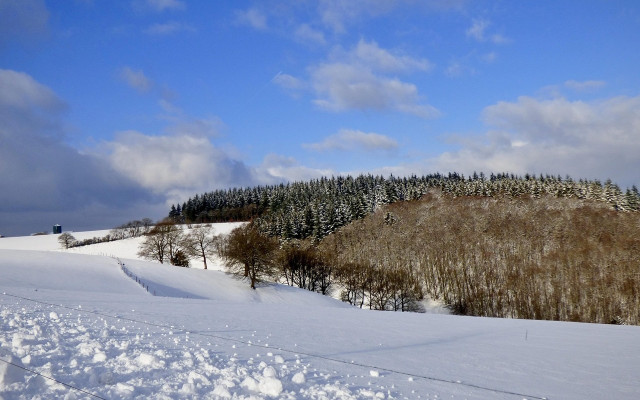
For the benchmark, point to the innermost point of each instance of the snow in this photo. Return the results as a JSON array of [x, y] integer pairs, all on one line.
[[77, 317]]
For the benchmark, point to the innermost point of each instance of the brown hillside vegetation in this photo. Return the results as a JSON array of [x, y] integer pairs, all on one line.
[[549, 258]]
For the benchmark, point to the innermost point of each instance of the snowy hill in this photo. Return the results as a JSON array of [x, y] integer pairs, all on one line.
[[82, 326]]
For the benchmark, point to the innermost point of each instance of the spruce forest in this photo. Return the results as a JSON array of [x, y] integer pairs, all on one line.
[[535, 247]]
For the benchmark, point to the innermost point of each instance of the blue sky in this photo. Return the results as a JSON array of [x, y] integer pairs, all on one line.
[[113, 110]]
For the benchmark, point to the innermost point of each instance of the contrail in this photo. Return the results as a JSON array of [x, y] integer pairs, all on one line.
[[274, 78], [264, 86]]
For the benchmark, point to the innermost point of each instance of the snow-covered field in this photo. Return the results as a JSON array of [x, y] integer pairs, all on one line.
[[76, 324]]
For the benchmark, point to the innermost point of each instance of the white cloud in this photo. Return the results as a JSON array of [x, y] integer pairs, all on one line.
[[342, 87], [21, 91], [306, 34], [335, 13], [370, 54], [136, 79], [289, 82], [584, 86], [489, 57], [457, 69], [161, 163], [253, 18], [499, 39], [196, 127], [596, 140], [276, 168], [159, 5], [168, 28], [478, 31], [175, 166], [356, 80], [338, 14], [354, 140]]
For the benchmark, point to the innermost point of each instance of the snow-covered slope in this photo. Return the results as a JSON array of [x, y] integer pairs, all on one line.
[[126, 248], [100, 333]]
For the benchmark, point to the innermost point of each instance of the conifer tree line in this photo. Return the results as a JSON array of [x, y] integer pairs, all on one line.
[[318, 207]]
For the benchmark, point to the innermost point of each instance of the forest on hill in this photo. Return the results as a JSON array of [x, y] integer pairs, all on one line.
[[500, 246], [318, 207], [549, 258]]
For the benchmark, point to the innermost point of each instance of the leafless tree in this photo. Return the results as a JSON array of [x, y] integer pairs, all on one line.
[[66, 240], [249, 253], [302, 265], [200, 242], [162, 242], [532, 257]]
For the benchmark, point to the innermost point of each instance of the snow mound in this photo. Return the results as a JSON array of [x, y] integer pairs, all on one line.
[[10, 374]]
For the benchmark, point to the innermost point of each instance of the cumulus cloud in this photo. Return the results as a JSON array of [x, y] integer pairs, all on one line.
[[41, 174], [176, 166], [342, 87], [136, 79], [354, 140], [253, 18], [597, 140], [356, 80]]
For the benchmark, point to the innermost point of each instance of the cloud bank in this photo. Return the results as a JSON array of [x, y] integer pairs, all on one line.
[[41, 174], [595, 140]]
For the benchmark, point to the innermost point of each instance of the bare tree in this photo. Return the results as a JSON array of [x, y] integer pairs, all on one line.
[[162, 242], [302, 265], [200, 242], [66, 240], [249, 253]]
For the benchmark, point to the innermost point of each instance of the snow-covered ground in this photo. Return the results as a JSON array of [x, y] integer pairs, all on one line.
[[76, 326]]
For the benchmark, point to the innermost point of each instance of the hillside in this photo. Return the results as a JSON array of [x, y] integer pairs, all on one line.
[[537, 258], [82, 321]]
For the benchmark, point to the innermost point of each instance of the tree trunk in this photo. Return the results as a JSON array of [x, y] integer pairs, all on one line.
[[204, 258]]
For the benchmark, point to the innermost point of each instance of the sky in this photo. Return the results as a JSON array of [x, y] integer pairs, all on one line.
[[114, 110]]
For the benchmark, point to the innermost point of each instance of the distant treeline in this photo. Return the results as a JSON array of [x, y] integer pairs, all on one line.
[[318, 207], [129, 229]]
